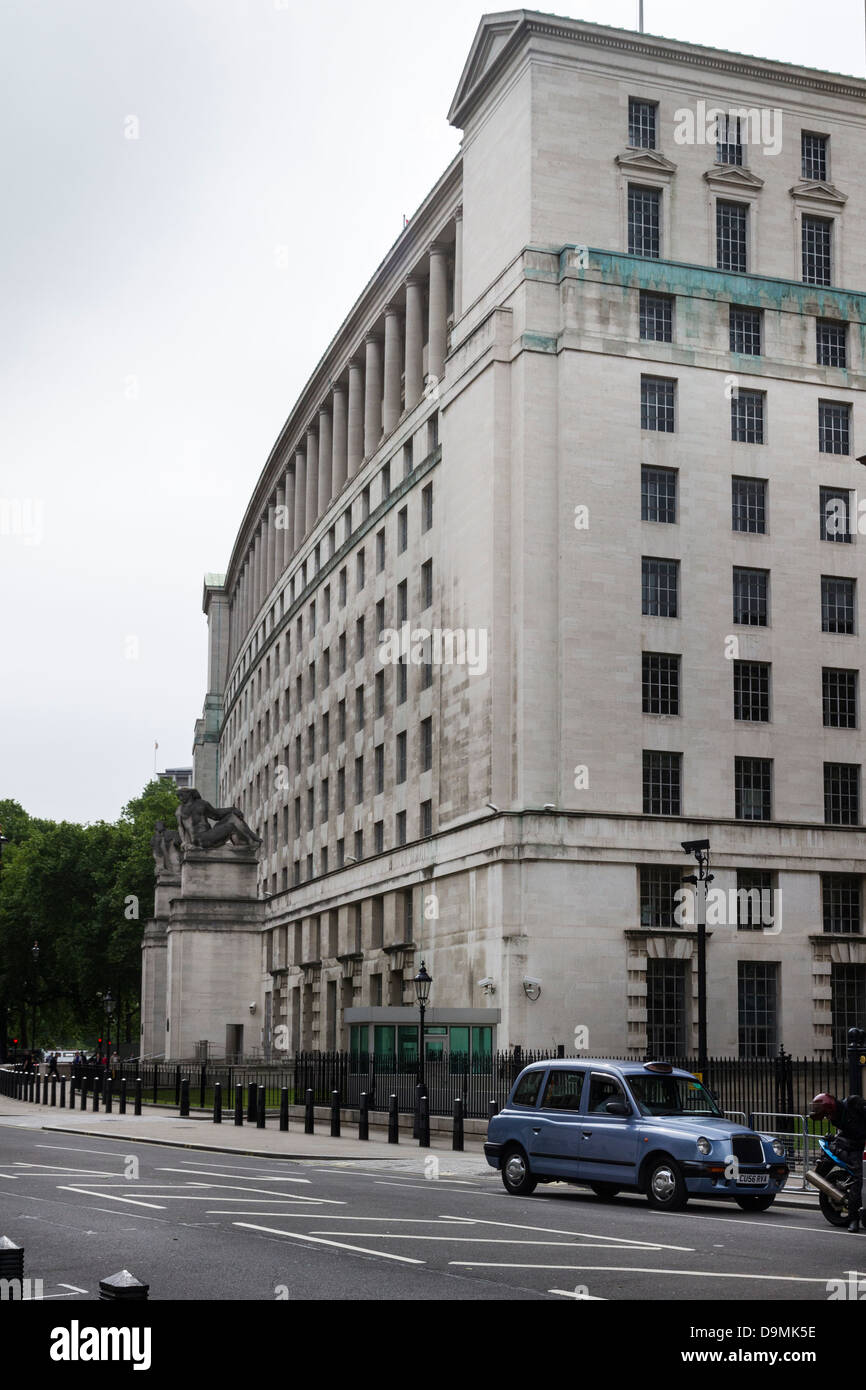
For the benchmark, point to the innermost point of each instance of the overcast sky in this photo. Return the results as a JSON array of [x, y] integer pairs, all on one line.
[[165, 297]]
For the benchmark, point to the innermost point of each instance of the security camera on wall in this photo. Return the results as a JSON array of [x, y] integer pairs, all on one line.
[[487, 984], [531, 987], [252, 1008]]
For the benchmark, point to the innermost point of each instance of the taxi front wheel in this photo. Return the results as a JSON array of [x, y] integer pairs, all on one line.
[[666, 1188], [756, 1203], [516, 1174]]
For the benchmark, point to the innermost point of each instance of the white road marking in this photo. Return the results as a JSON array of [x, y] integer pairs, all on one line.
[[241, 1177], [591, 1235], [73, 1149], [107, 1197], [70, 1286], [581, 1297], [340, 1245], [638, 1269], [500, 1240]]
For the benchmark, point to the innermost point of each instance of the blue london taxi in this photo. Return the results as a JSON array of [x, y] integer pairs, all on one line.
[[630, 1127]]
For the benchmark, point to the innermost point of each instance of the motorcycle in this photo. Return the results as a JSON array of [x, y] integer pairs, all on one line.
[[833, 1179]]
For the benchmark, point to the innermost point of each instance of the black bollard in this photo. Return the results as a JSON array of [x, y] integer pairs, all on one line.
[[54, 1090], [492, 1109], [155, 1083], [63, 1092], [217, 1103], [364, 1117], [251, 1103], [260, 1108], [393, 1121], [95, 1094], [11, 1260], [122, 1102], [309, 1114], [284, 1109], [107, 1095], [184, 1095], [122, 1287], [177, 1085], [457, 1133], [84, 1080], [138, 1095], [335, 1114], [416, 1117], [424, 1124], [239, 1104], [45, 1090]]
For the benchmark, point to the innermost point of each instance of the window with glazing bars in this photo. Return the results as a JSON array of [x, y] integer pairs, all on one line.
[[747, 417], [745, 330], [752, 691], [848, 1003], [644, 208], [659, 584], [657, 889], [831, 339], [841, 793], [749, 505], [840, 894], [658, 494], [753, 789], [662, 778], [656, 317], [837, 604], [379, 767], [660, 683], [813, 150], [750, 596], [731, 236], [839, 694], [657, 395], [359, 779], [666, 1025], [834, 427], [835, 515], [755, 892], [757, 1007], [816, 236], [729, 140], [641, 123]]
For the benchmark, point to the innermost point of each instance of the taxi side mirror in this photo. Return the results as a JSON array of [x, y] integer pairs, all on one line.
[[617, 1107]]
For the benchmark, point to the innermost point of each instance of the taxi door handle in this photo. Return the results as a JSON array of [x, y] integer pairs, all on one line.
[[587, 1133], [537, 1131]]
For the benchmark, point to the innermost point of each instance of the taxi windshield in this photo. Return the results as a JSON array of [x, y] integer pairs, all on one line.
[[671, 1095]]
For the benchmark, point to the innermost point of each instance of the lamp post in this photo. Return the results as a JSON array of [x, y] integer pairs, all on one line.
[[701, 850], [422, 983], [108, 1005], [34, 951]]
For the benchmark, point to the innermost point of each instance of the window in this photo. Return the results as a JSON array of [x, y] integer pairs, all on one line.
[[326, 731], [379, 753], [816, 235], [427, 508], [835, 515], [407, 458], [834, 427], [831, 343], [402, 601], [341, 790], [341, 852], [644, 208], [837, 604], [360, 568], [755, 890], [839, 693], [401, 758], [747, 417], [658, 494], [402, 529], [841, 793], [426, 818], [641, 123], [749, 505], [359, 639], [753, 789], [400, 833], [380, 694], [666, 1008], [426, 744], [814, 156], [661, 783], [433, 433], [326, 667], [661, 683], [750, 596], [840, 894], [659, 584], [731, 236], [757, 990], [341, 582], [386, 481], [365, 503], [297, 816], [656, 317], [341, 653], [341, 721], [752, 691], [378, 836], [426, 584], [380, 551], [359, 779], [848, 1003], [311, 743], [402, 682], [359, 844], [729, 140], [359, 707], [311, 681], [657, 404], [658, 887], [562, 1091], [325, 801], [528, 1088], [745, 331]]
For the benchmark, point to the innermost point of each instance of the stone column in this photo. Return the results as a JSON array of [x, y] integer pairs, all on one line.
[[438, 311], [414, 340], [300, 496], [270, 552], [242, 624], [312, 479], [260, 545], [458, 263], [372, 394], [279, 531], [326, 461], [356, 417], [391, 399], [289, 542], [340, 439]]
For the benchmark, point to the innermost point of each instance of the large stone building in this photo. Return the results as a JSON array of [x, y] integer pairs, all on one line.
[[594, 416]]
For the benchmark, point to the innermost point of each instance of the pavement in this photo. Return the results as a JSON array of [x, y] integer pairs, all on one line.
[[163, 1125]]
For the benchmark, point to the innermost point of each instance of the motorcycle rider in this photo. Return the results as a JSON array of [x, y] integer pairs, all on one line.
[[849, 1117]]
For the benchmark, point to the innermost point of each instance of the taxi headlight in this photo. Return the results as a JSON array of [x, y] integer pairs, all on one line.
[[704, 1145], [778, 1148]]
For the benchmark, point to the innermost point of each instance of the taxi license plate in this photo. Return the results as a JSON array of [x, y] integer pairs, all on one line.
[[753, 1179]]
